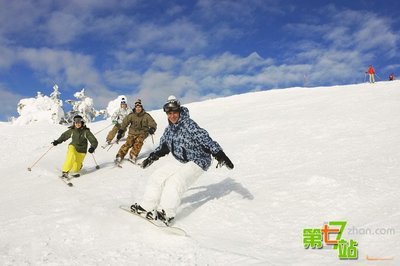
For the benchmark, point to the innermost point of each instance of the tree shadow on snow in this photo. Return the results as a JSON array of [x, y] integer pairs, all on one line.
[[211, 192]]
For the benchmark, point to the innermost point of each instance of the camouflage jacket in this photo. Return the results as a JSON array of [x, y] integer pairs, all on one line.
[[139, 124], [188, 142]]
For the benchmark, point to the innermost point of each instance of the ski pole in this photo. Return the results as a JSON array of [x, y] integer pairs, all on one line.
[[103, 129], [30, 168], [378, 76], [112, 143], [152, 139], [110, 146], [94, 159]]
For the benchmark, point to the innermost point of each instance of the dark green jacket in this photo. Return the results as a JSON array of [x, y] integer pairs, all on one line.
[[80, 138]]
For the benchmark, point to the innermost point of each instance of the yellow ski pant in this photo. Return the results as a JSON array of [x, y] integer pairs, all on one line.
[[73, 161]]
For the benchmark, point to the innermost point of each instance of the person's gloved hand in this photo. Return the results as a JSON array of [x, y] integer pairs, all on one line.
[[151, 130], [119, 135], [149, 160], [223, 160], [115, 122], [91, 149], [55, 142]]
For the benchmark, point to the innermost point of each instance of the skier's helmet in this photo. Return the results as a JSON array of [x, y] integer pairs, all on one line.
[[78, 119], [172, 105]]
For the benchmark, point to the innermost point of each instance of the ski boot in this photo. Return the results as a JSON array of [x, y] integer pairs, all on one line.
[[132, 159], [162, 216], [65, 175], [136, 208], [117, 161]]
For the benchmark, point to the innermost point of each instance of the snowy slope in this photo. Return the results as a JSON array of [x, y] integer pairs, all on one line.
[[303, 156]]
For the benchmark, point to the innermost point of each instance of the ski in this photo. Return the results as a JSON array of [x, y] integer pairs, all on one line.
[[66, 181], [134, 162], [169, 229], [105, 145], [109, 145], [117, 163]]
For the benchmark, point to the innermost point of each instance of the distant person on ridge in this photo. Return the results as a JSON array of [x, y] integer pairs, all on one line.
[[391, 76], [116, 119], [76, 153], [141, 124], [371, 73], [192, 148]]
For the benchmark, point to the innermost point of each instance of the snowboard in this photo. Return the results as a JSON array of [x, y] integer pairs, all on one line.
[[169, 229]]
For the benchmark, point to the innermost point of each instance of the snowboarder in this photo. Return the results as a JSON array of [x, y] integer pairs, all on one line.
[[371, 73], [192, 148], [141, 124], [117, 119], [76, 153]]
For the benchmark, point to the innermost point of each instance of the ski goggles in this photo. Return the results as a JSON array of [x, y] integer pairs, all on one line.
[[78, 120], [172, 106]]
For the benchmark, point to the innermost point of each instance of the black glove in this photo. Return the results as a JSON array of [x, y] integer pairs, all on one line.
[[152, 130], [91, 149], [147, 162], [55, 142], [223, 160], [119, 135]]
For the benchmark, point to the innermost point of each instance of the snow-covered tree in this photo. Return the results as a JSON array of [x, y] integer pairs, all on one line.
[[40, 108], [83, 106], [55, 95]]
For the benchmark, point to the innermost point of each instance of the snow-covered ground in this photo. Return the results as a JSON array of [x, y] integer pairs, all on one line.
[[303, 157]]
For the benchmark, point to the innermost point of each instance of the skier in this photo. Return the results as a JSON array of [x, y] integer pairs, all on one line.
[[76, 153], [371, 73], [117, 119], [391, 76], [192, 148], [141, 124]]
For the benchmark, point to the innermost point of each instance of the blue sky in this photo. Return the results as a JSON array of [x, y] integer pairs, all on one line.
[[196, 50]]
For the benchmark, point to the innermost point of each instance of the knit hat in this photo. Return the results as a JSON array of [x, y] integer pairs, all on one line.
[[138, 102], [123, 101]]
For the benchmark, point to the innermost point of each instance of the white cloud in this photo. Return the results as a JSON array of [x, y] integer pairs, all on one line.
[[122, 77], [180, 35], [125, 59], [20, 15], [225, 63], [8, 102], [239, 10], [75, 68], [164, 62], [366, 30], [64, 27], [7, 57]]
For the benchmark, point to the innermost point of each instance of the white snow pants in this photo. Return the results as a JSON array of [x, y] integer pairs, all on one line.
[[167, 184]]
